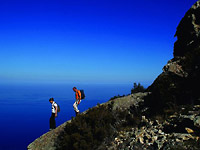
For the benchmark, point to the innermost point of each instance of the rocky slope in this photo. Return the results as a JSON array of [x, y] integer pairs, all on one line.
[[166, 116], [125, 128], [113, 114], [178, 131]]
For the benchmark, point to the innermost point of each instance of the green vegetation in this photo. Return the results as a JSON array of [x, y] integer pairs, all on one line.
[[137, 88], [88, 131], [97, 126], [114, 97]]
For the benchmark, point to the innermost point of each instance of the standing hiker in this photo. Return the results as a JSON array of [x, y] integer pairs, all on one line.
[[54, 108], [77, 101]]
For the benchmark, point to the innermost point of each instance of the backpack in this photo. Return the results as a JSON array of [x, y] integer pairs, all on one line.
[[58, 108], [82, 94]]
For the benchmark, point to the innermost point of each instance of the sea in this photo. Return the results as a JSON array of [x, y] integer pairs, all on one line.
[[25, 109]]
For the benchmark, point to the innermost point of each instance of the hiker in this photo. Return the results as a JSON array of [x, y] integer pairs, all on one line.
[[52, 121], [77, 101]]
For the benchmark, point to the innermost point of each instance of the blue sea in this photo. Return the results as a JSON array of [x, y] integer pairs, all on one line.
[[25, 109]]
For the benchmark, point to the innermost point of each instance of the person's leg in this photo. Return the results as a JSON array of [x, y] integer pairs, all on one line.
[[75, 105], [52, 121]]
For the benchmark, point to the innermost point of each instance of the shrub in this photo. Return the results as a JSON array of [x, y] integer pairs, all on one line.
[[95, 128], [87, 131], [112, 98], [137, 88]]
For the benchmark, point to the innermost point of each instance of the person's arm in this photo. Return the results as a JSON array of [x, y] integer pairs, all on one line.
[[76, 96], [79, 97], [56, 110]]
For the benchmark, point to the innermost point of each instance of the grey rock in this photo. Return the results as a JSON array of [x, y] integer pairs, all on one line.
[[197, 121]]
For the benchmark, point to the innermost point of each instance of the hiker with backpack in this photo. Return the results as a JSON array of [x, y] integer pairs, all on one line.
[[54, 108], [79, 95]]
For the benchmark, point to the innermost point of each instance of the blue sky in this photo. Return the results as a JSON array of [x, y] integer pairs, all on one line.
[[87, 41]]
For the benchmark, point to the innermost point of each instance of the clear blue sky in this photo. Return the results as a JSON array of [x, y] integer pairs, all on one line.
[[87, 41]]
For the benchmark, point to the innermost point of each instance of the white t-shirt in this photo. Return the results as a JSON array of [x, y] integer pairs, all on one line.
[[53, 105]]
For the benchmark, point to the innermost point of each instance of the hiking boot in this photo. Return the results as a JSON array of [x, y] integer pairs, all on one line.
[[77, 113]]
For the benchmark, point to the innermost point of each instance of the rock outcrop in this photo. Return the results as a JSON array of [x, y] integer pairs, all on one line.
[[179, 81]]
